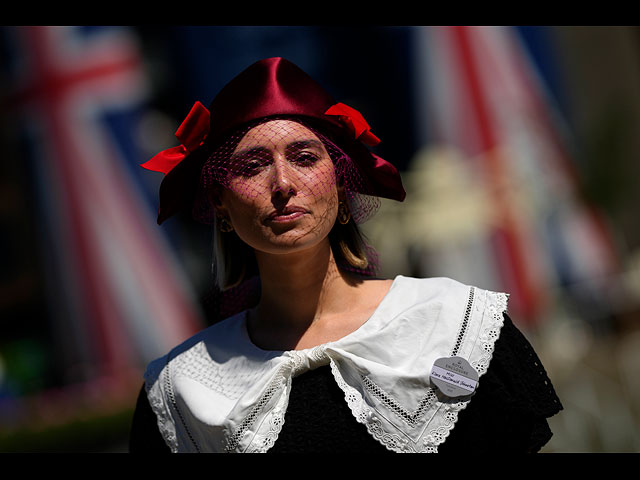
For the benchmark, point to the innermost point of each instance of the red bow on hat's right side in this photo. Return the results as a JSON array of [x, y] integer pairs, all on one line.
[[354, 121]]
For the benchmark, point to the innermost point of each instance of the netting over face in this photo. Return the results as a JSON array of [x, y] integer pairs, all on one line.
[[286, 158]]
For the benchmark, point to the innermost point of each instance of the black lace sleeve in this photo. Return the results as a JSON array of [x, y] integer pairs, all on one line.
[[515, 397], [144, 436]]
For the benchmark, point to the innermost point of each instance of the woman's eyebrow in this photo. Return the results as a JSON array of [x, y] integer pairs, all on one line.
[[310, 143], [261, 150], [250, 151]]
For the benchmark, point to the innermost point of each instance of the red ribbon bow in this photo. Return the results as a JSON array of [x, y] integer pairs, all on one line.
[[191, 133], [355, 122]]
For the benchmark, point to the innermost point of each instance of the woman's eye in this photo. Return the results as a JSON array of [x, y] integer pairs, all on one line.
[[255, 164], [251, 164], [304, 159], [251, 168]]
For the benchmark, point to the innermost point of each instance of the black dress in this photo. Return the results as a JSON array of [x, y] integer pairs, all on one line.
[[508, 412]]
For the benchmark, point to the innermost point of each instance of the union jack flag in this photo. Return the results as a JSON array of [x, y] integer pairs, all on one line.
[[120, 295], [487, 105]]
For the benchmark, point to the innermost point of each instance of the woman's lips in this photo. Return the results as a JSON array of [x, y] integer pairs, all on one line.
[[287, 214]]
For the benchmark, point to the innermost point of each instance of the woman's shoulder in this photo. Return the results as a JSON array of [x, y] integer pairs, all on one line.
[[520, 371], [419, 290], [432, 284]]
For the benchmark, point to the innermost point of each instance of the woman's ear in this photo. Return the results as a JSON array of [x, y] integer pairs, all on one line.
[[340, 187], [222, 220], [216, 201]]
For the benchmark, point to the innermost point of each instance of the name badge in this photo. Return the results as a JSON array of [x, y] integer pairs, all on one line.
[[454, 376]]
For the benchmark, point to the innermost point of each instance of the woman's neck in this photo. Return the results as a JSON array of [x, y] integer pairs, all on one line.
[[306, 300]]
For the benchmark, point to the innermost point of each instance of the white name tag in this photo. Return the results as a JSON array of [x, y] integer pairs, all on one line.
[[454, 376]]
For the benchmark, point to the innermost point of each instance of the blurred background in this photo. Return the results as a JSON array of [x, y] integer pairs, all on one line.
[[518, 147]]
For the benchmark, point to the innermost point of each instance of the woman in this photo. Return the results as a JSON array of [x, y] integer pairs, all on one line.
[[325, 358]]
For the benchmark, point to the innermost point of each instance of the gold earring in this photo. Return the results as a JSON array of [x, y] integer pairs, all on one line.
[[225, 225], [343, 213]]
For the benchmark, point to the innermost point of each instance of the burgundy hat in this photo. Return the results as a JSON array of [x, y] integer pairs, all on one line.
[[268, 88]]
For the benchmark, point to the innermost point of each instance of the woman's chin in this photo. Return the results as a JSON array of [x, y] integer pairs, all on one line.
[[290, 240]]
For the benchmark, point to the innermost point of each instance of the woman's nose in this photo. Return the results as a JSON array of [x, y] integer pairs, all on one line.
[[283, 181]]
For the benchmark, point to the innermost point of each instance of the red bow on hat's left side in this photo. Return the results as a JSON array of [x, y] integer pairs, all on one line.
[[191, 133]]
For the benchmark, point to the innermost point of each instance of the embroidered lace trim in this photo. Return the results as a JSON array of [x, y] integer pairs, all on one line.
[[159, 407], [411, 418], [366, 416], [228, 379], [276, 384]]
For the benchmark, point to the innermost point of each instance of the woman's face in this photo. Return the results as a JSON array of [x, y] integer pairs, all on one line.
[[282, 194]]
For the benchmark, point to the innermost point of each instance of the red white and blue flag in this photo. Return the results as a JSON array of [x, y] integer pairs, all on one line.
[[483, 98], [119, 294]]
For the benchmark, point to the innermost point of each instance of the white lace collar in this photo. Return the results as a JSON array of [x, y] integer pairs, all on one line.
[[218, 392]]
